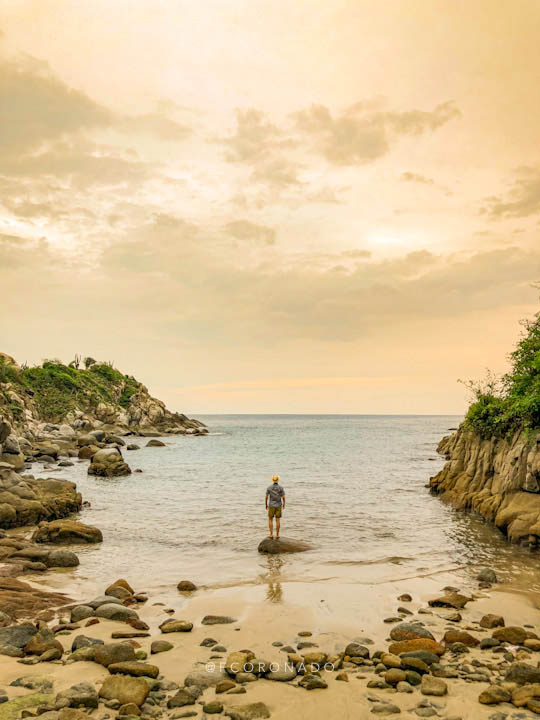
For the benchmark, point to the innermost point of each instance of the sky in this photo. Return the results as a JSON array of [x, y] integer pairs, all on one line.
[[266, 206]]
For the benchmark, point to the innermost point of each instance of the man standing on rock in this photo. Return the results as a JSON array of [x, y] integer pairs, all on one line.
[[274, 504]]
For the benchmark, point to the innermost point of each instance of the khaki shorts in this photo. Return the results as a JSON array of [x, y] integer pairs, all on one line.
[[274, 512]]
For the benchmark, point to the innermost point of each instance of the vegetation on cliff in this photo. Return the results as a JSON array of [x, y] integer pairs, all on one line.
[[502, 405], [56, 389]]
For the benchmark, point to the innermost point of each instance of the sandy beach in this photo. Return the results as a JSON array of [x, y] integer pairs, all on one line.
[[273, 613]]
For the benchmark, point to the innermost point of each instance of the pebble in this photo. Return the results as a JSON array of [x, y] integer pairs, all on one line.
[[381, 708]]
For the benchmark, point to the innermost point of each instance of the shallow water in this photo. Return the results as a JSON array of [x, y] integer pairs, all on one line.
[[355, 489]]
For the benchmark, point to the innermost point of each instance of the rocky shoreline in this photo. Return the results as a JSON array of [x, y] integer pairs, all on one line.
[[499, 478], [123, 655]]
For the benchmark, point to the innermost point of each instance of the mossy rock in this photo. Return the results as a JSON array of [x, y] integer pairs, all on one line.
[[12, 709]]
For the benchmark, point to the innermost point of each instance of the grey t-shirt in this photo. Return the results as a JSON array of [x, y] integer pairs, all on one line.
[[275, 492]]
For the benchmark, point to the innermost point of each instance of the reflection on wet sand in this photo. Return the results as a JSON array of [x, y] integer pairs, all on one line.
[[272, 578]]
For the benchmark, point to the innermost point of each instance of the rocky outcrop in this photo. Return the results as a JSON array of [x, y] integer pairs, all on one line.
[[57, 401], [276, 546], [67, 532], [497, 477], [108, 462], [28, 500]]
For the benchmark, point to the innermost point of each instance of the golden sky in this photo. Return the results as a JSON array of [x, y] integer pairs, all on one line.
[[271, 205]]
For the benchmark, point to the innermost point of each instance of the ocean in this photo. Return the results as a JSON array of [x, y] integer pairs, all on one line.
[[356, 491]]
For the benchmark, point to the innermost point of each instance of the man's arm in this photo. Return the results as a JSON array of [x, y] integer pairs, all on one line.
[[266, 501], [283, 496]]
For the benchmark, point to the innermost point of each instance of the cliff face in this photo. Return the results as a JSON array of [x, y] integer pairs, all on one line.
[[497, 477]]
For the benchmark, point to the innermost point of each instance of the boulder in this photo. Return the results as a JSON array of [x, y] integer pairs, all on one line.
[[186, 586], [33, 682], [15, 461], [217, 620], [490, 621], [253, 711], [46, 449], [511, 634], [212, 707], [112, 611], [283, 673], [406, 646], [453, 636], [134, 668], [170, 626], [451, 599], [11, 445], [410, 631], [104, 600], [155, 443], [61, 558], [111, 653], [425, 656], [125, 689], [118, 592], [236, 660], [67, 531], [312, 682], [522, 695], [120, 583], [128, 709], [42, 641], [87, 452], [182, 698], [81, 695], [355, 649], [13, 709], [83, 654], [205, 678], [493, 695], [17, 635], [487, 575], [283, 545], [433, 686], [81, 612], [81, 641], [395, 676], [108, 462], [521, 673], [159, 646]]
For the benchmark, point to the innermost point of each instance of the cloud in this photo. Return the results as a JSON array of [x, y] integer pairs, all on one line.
[[249, 232], [521, 200], [46, 126], [361, 135], [194, 283], [36, 107], [159, 125], [254, 138], [417, 178], [82, 163]]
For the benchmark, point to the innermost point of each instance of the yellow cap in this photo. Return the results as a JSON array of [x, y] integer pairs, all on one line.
[[275, 478]]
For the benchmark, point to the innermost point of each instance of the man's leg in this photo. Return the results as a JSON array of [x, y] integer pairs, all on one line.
[[271, 526], [278, 523]]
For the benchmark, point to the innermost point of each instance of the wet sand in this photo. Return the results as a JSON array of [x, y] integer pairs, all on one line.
[[335, 613]]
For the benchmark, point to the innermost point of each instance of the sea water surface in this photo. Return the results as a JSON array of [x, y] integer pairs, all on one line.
[[355, 488]]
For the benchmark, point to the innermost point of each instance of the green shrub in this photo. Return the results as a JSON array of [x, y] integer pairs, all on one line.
[[8, 371], [501, 406]]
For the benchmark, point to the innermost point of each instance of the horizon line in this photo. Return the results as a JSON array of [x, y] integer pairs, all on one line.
[[345, 414]]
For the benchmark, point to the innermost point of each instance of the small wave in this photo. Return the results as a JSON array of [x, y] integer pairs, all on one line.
[[393, 559]]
